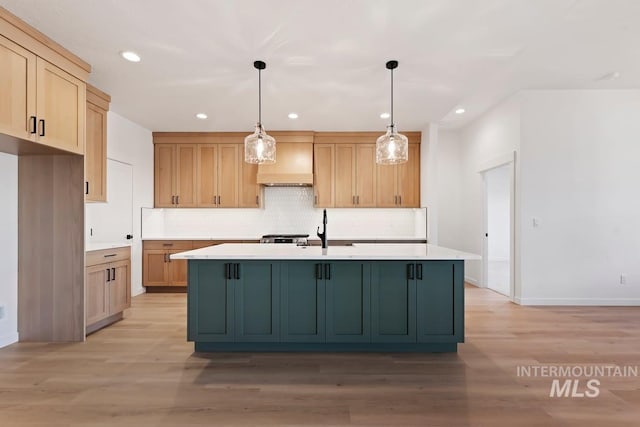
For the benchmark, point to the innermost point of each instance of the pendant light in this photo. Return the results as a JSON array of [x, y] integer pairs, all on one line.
[[259, 147], [392, 147]]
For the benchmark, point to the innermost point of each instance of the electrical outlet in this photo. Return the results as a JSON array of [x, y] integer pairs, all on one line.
[[1, 311], [623, 279]]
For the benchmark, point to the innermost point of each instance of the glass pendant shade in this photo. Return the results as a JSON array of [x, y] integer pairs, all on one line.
[[392, 147], [259, 147]]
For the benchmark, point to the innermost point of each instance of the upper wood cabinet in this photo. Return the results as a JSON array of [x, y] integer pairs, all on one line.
[[399, 185], [353, 180], [18, 88], [346, 174], [175, 175], [44, 103], [324, 165], [60, 108], [95, 157], [249, 189], [218, 175]]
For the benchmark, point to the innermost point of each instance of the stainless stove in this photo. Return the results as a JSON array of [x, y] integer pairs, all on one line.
[[298, 239]]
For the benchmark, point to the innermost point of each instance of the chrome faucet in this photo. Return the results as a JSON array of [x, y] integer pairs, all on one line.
[[323, 235]]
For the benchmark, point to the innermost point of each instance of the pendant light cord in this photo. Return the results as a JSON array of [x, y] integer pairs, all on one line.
[[392, 97], [259, 97]]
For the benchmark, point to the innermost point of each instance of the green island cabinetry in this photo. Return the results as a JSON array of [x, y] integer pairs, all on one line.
[[333, 305]]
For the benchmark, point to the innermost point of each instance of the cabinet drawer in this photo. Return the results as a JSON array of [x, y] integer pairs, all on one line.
[[108, 255], [168, 244]]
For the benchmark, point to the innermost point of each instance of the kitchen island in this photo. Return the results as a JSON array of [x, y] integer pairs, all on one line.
[[364, 297]]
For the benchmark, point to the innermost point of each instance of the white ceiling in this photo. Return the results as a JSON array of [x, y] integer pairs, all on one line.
[[325, 59]]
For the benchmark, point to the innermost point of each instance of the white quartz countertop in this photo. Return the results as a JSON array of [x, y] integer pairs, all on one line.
[[365, 251], [100, 246]]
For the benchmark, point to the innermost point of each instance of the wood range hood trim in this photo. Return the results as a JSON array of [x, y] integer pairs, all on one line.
[[294, 161]]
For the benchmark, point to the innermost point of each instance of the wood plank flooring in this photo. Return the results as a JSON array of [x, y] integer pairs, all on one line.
[[142, 372]]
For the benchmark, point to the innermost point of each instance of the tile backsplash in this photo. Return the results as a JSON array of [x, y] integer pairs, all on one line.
[[286, 210]]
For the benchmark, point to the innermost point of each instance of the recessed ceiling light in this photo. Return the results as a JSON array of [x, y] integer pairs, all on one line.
[[130, 56], [201, 116], [293, 115], [460, 111], [385, 115]]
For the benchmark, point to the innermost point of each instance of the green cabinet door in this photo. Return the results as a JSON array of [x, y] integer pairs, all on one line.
[[302, 302], [348, 286], [440, 301], [210, 302], [393, 302], [257, 304]]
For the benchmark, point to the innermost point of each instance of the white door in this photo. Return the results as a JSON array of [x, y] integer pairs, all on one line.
[[498, 229], [111, 222]]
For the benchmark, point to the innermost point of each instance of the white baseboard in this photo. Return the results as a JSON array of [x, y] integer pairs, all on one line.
[[472, 281], [8, 339], [138, 291], [579, 301]]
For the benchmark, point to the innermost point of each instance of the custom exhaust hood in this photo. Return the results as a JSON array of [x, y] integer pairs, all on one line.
[[294, 161]]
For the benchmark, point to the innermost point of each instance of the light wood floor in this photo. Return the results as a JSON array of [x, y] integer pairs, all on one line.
[[142, 372]]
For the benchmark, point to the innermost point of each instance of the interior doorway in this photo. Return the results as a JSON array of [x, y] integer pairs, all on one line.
[[497, 262]]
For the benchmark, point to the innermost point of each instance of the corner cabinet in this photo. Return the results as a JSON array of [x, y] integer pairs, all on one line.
[[45, 104], [315, 306], [108, 287]]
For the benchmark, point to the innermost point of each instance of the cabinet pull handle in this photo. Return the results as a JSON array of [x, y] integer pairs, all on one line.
[[227, 275], [410, 272], [177, 200], [113, 273], [257, 201], [173, 200], [219, 201], [110, 255], [86, 190], [319, 271], [400, 200], [165, 257], [41, 127], [33, 120], [236, 268], [353, 200], [167, 244], [108, 276], [419, 271], [357, 200], [327, 271], [395, 200]]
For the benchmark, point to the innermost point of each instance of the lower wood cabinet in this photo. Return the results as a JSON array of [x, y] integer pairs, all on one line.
[[108, 286], [160, 271], [279, 305]]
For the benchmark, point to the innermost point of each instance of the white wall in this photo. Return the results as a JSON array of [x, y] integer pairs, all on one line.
[[130, 143], [449, 196], [9, 249], [580, 178], [462, 155]]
